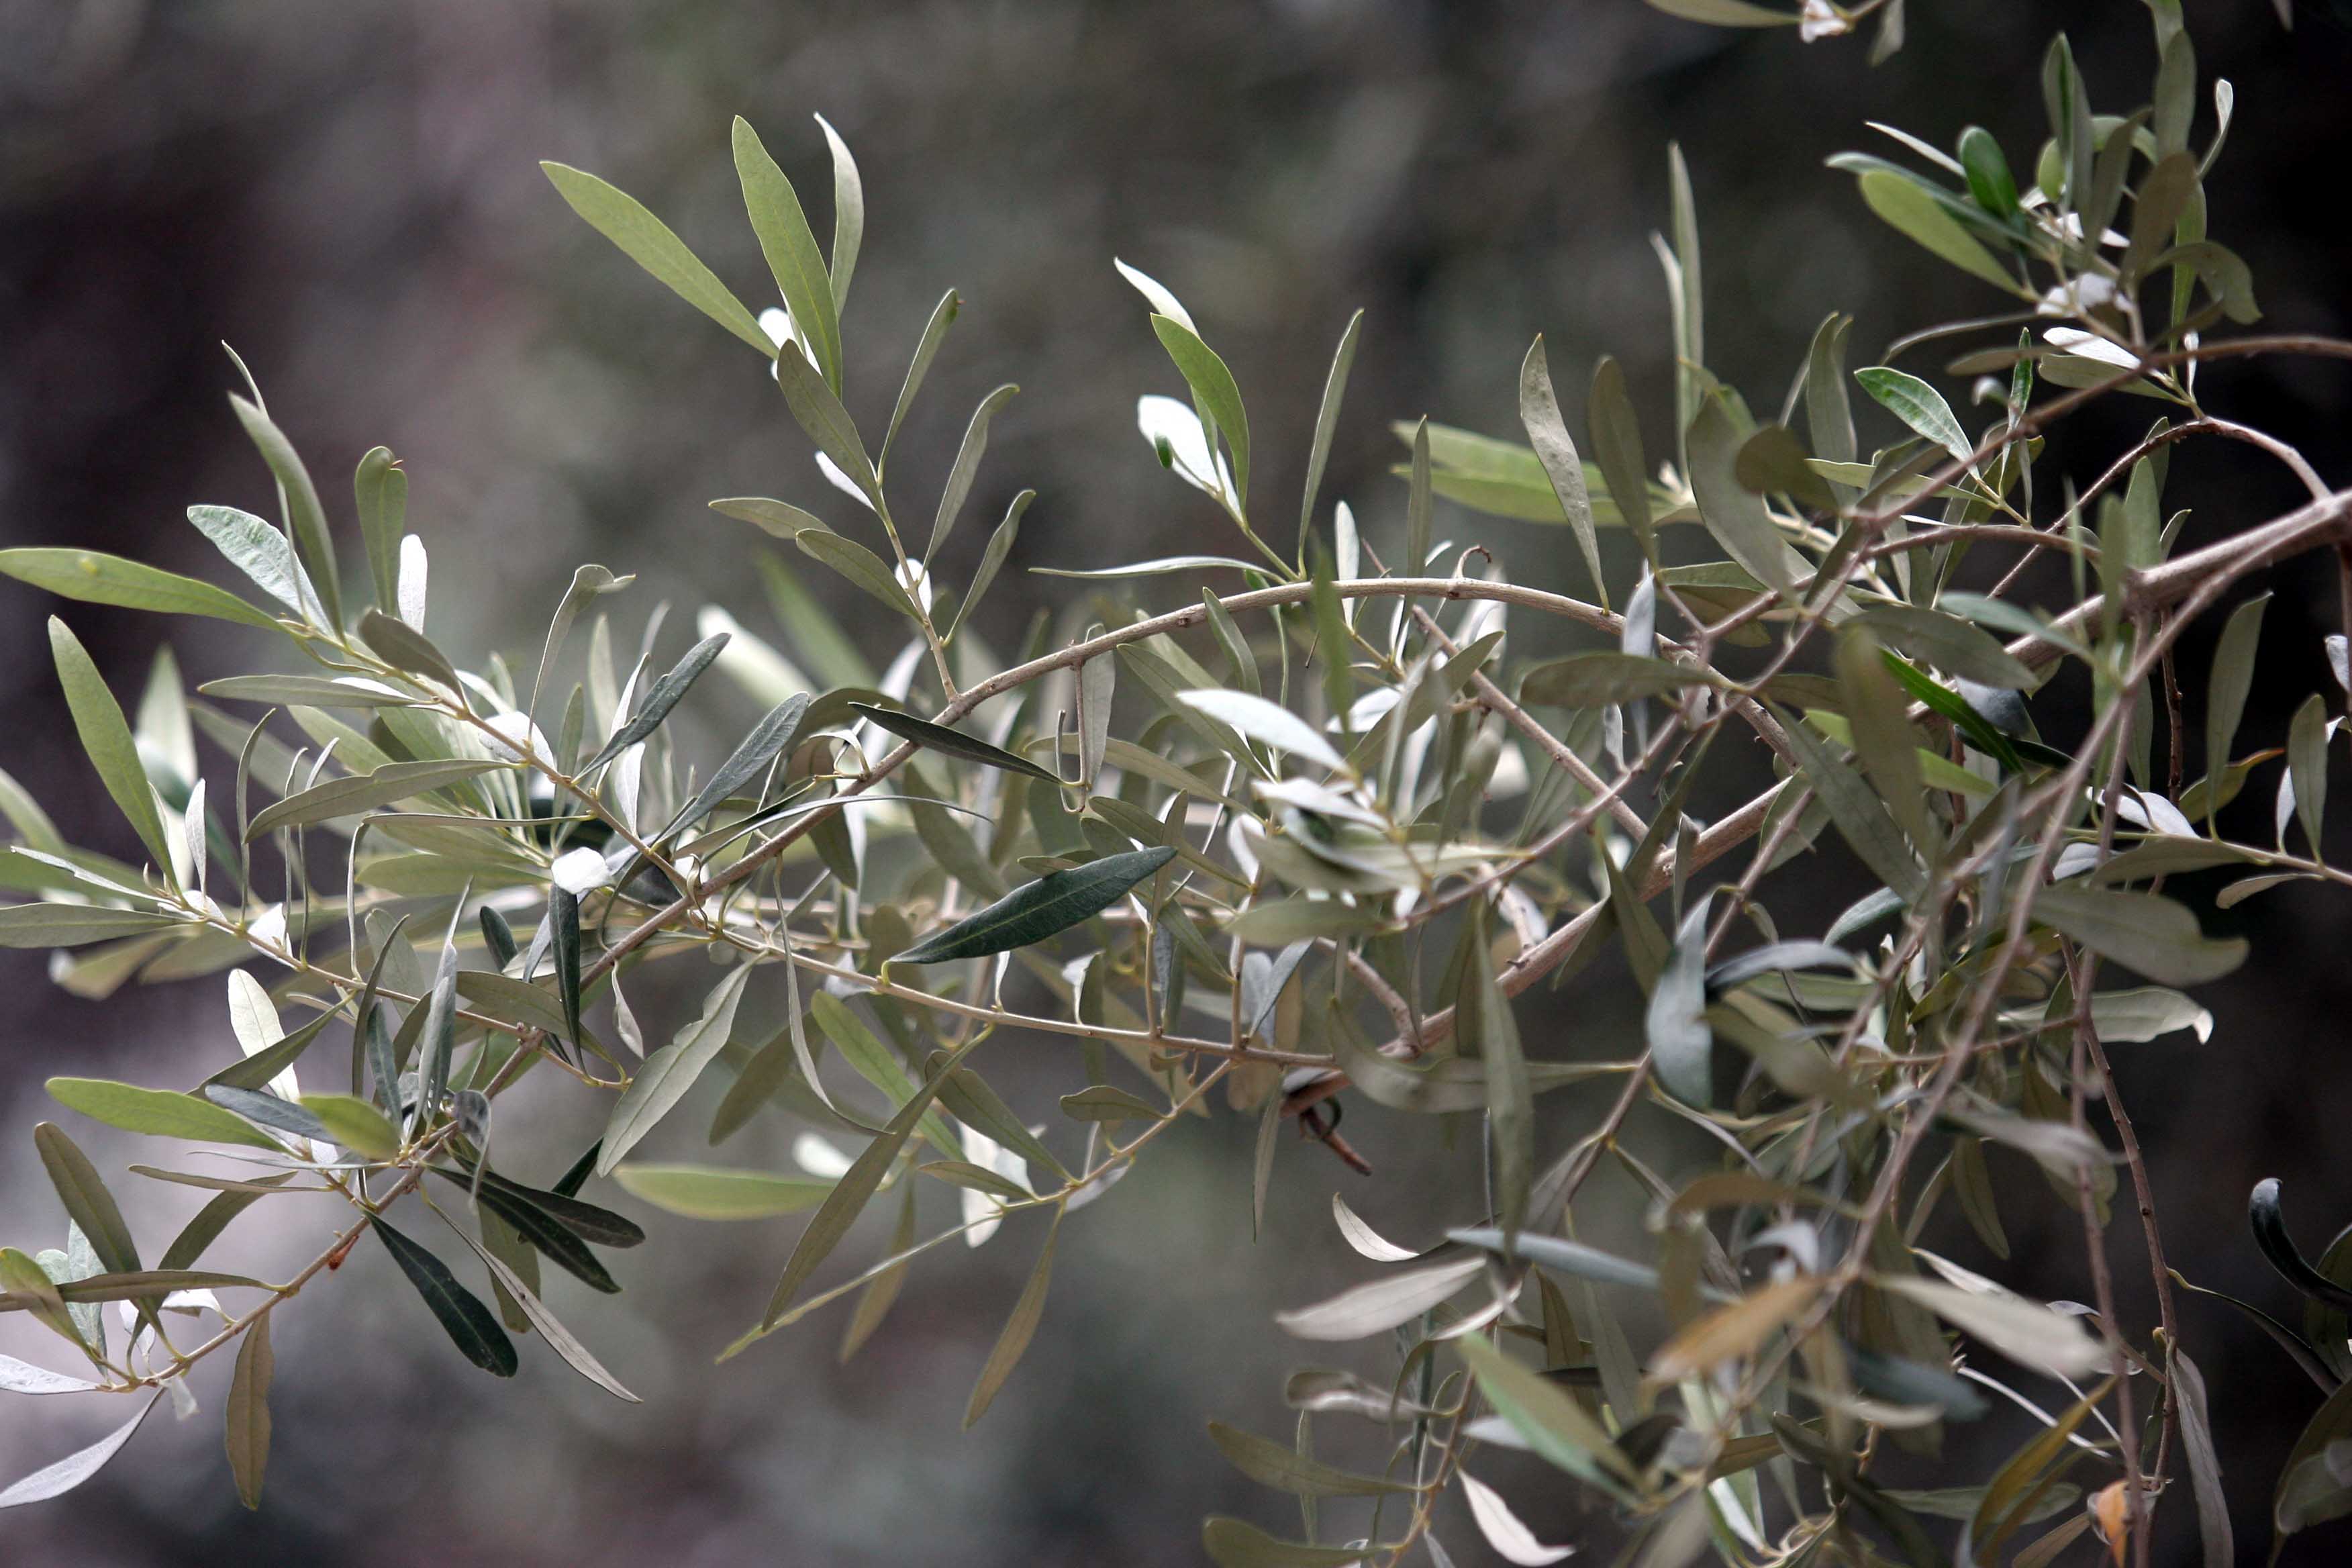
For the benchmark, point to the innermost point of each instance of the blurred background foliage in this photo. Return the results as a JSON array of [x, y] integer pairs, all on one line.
[[349, 195]]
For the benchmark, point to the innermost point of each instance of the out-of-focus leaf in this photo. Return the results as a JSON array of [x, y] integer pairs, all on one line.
[[2204, 1462], [1277, 1465], [363, 793], [1038, 910], [1682, 1046], [248, 1412], [1568, 1257], [1504, 1531], [468, 1323], [2306, 758], [1617, 445], [1379, 1305], [159, 1111], [2025, 1331], [1725, 13], [840, 1207], [1734, 1330], [648, 242], [1829, 419], [97, 579], [1733, 513], [106, 737], [1883, 741], [1599, 680], [1020, 1328], [670, 1072], [1233, 1543], [710, 1192], [2153, 935], [1548, 1418], [1949, 643]]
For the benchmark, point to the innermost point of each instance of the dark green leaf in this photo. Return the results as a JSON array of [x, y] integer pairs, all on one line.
[[467, 1323], [248, 1412], [1600, 679], [664, 695], [1277, 1465], [1031, 913], [946, 742]]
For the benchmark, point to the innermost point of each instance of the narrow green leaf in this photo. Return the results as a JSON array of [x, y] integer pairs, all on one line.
[[558, 1338], [2307, 757], [992, 560], [1951, 644], [1861, 818], [946, 742], [965, 467], [55, 1480], [848, 214], [1829, 417], [791, 249], [1734, 514], [816, 406], [874, 1062], [841, 1206], [1020, 1328], [468, 1323], [1326, 421], [1382, 1304], [860, 566], [1052, 903], [98, 579], [1235, 1543], [106, 737], [355, 1124], [1214, 384], [927, 348], [1548, 434], [1547, 1415], [248, 1412], [663, 696], [363, 793], [670, 1072], [648, 241], [403, 647], [306, 520], [1725, 13], [1277, 1465], [708, 1192], [205, 1227], [161, 1113], [381, 487], [266, 1110], [1908, 208], [1883, 741], [1617, 447], [73, 925]]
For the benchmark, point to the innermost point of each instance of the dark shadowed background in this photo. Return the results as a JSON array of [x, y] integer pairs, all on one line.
[[349, 193]]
